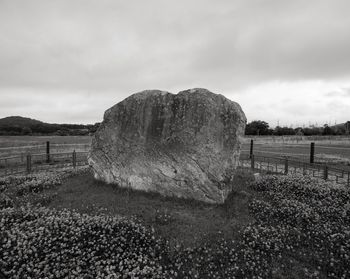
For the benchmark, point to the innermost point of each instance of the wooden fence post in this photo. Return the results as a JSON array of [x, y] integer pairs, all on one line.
[[252, 164], [47, 152], [325, 172], [29, 163], [251, 149], [74, 159], [286, 165], [312, 153]]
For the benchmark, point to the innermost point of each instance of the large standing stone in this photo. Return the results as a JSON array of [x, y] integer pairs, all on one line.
[[184, 145]]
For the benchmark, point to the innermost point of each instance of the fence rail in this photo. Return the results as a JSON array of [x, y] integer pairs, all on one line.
[[42, 147], [37, 162], [278, 165]]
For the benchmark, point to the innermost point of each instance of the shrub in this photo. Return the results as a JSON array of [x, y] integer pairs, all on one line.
[[38, 242], [301, 226], [312, 217], [5, 201]]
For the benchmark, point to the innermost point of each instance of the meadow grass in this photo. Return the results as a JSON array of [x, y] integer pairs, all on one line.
[[329, 149], [15, 141]]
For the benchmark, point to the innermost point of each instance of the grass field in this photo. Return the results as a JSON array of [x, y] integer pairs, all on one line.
[[334, 150], [16, 141], [17, 145], [323, 152], [329, 140]]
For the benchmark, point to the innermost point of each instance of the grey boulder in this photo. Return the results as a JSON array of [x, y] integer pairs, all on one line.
[[184, 145]]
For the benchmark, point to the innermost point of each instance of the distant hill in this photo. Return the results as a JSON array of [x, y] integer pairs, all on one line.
[[18, 121], [18, 125]]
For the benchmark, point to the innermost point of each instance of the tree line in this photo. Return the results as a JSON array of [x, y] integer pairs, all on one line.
[[49, 129], [259, 127], [24, 126]]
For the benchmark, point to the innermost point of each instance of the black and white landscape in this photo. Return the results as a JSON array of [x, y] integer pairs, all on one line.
[[107, 172]]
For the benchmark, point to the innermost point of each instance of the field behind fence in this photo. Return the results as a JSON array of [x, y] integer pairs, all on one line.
[[263, 164], [18, 145], [331, 161], [39, 162], [42, 155], [279, 165], [41, 148], [328, 140], [327, 150]]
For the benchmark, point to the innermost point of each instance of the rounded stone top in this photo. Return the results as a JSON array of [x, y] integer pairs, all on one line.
[[147, 93], [193, 92]]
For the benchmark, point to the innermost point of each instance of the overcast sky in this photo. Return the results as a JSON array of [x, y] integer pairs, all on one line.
[[281, 60]]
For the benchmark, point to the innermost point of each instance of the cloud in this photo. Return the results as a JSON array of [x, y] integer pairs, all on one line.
[[109, 49], [300, 103], [297, 41]]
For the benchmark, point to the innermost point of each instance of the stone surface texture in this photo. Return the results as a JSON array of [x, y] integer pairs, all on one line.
[[184, 145]]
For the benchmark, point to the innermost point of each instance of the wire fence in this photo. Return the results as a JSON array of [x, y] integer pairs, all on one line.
[[25, 164], [42, 148], [334, 140], [279, 165]]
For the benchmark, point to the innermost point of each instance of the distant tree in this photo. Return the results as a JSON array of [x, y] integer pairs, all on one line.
[[299, 131], [347, 127], [284, 131], [93, 128], [11, 130], [62, 133], [26, 131], [340, 130], [312, 131], [258, 127], [327, 130]]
